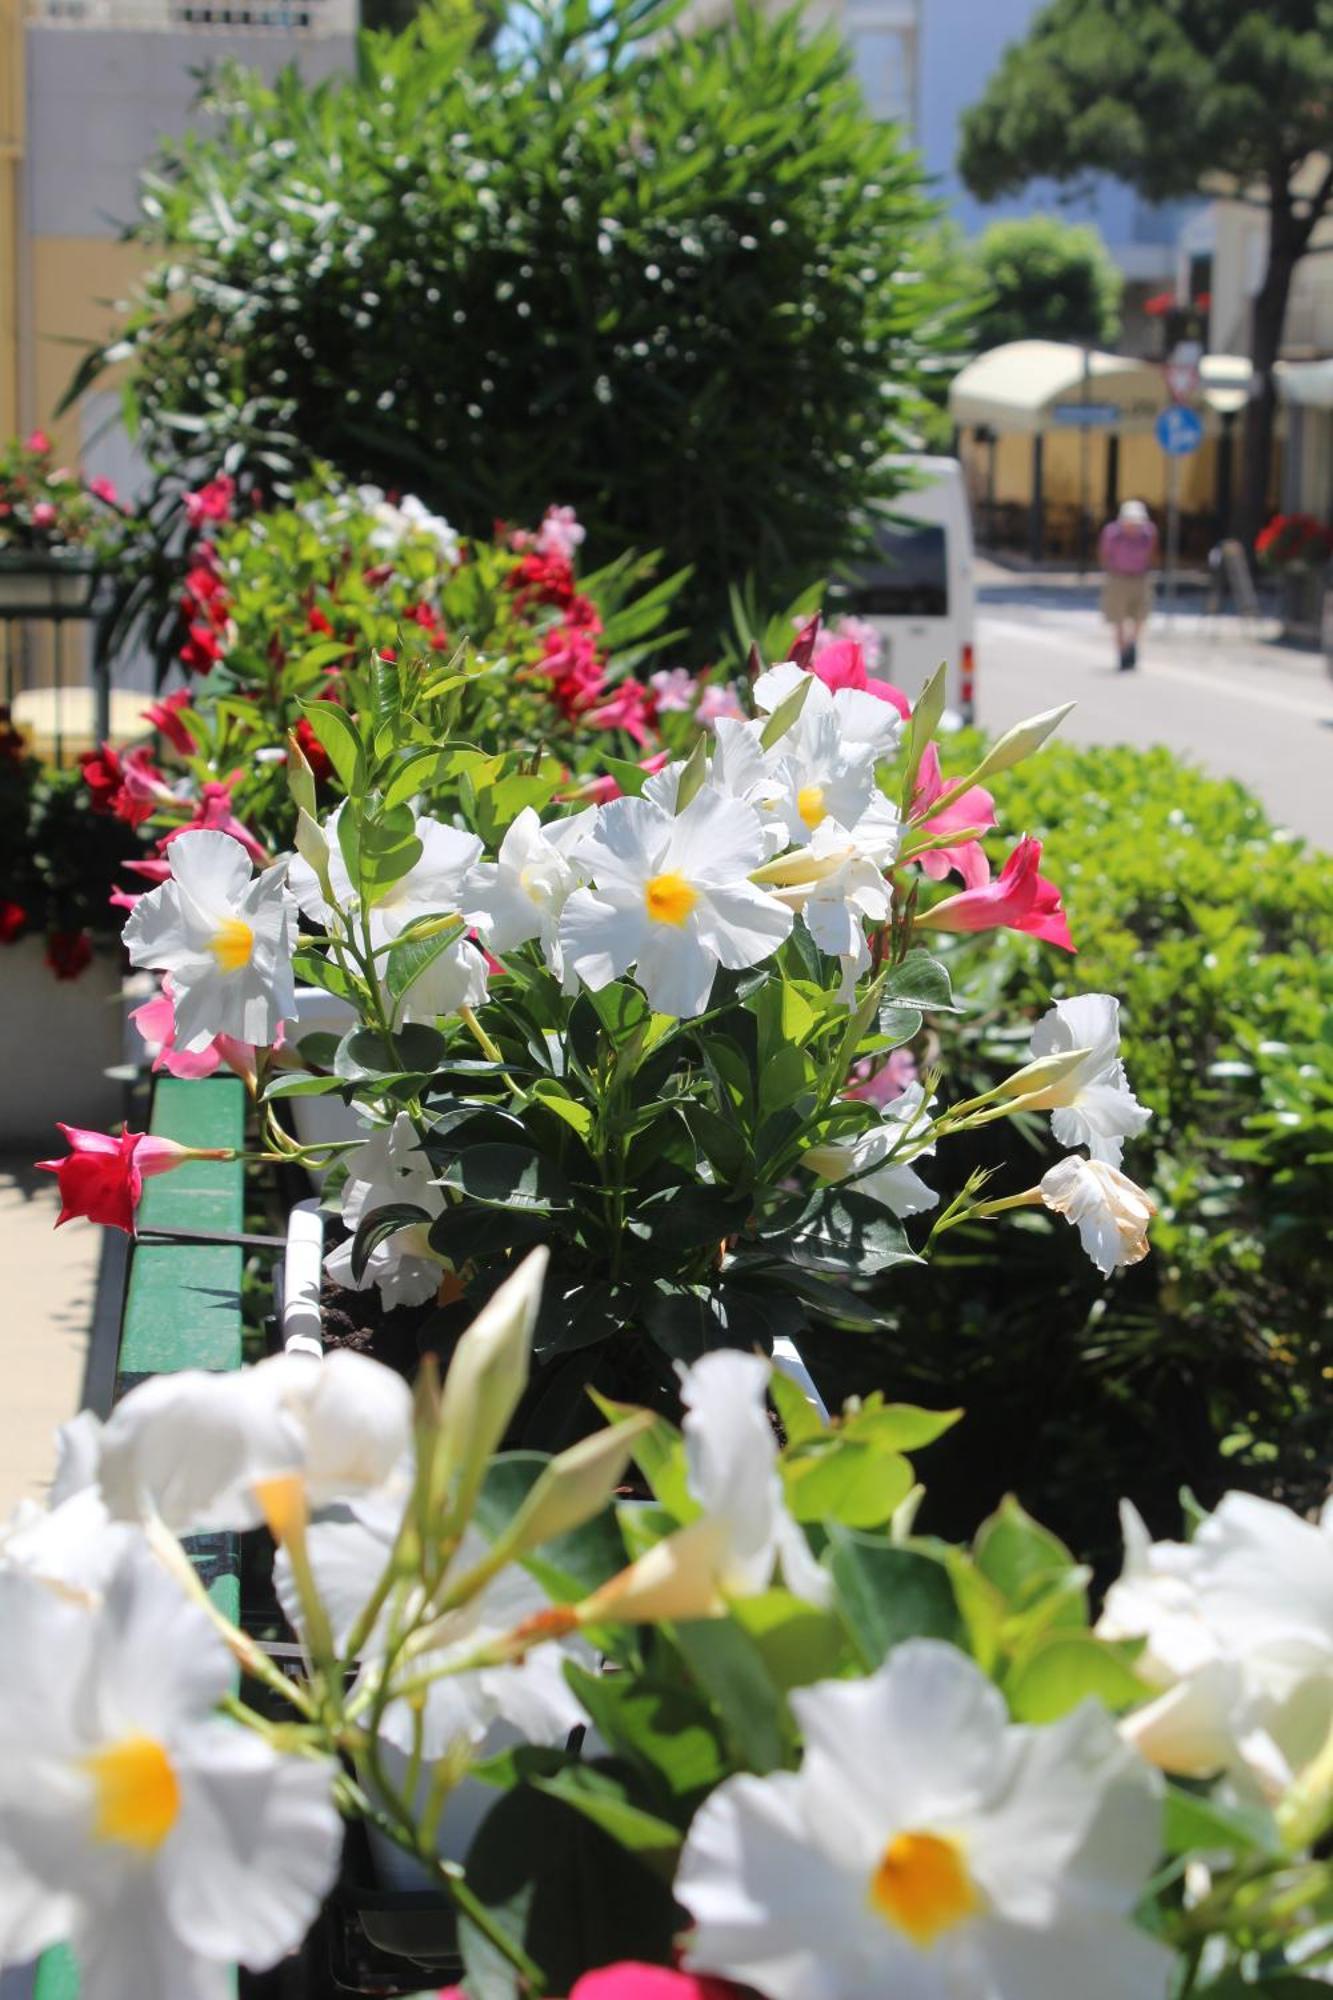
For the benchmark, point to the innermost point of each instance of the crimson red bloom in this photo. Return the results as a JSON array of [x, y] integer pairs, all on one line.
[[130, 787], [68, 953], [202, 649], [165, 717], [318, 621], [316, 756], [13, 921], [542, 579], [211, 502], [581, 611], [102, 1176], [1019, 899], [103, 774]]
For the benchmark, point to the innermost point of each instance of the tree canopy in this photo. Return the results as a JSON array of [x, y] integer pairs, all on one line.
[[1044, 279], [675, 281], [1161, 93]]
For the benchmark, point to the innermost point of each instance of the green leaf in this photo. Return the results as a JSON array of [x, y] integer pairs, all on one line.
[[366, 1056], [423, 771], [1063, 1671], [888, 1594], [800, 1419], [659, 1455], [919, 980], [898, 1426], [840, 1481], [605, 1801], [411, 955], [573, 1565], [785, 714], [302, 1086], [848, 1232], [730, 1667], [1192, 1822], [389, 847], [311, 968], [799, 1643], [1025, 1562], [337, 732], [509, 1177], [376, 1228], [660, 1726]]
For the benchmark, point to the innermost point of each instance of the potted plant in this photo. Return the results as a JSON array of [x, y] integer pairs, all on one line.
[[56, 532], [60, 954], [1296, 549]]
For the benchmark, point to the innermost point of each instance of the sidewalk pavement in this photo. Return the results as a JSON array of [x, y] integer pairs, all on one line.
[[50, 1284]]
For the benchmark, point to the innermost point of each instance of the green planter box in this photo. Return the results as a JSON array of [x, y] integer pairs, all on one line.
[[183, 1310]]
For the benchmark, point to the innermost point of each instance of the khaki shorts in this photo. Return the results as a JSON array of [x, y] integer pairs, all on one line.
[[1126, 599]]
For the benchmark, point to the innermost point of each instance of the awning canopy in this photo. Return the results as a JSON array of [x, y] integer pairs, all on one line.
[[1029, 386], [1306, 382]]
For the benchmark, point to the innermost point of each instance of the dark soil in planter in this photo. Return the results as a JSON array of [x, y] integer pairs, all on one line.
[[556, 1409]]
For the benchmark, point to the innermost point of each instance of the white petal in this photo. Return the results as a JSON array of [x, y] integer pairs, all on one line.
[[716, 841], [742, 924], [732, 1459], [600, 940], [675, 968], [212, 868], [255, 1850], [128, 1951], [190, 1446], [1095, 1958], [159, 1659]]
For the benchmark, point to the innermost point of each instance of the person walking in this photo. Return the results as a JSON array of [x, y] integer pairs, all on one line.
[[1127, 550]]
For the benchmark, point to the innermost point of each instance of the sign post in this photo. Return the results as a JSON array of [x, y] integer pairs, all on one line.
[[1179, 432]]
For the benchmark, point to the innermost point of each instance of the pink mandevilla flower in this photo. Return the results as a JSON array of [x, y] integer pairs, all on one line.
[[673, 689], [560, 533], [973, 810], [1019, 899], [102, 1175]]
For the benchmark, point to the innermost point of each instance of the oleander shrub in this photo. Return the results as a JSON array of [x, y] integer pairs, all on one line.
[[675, 281], [1210, 1363]]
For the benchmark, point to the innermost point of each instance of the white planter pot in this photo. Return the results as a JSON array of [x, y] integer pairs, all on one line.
[[61, 1037]]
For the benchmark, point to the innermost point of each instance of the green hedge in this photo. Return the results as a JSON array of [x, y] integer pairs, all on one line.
[[1212, 1360]]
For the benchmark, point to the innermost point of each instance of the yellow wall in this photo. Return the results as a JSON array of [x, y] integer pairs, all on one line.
[[76, 281], [1143, 474]]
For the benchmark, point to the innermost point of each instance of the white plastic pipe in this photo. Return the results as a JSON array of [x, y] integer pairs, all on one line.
[[303, 1274]]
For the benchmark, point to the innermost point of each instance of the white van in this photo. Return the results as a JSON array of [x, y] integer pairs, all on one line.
[[921, 590]]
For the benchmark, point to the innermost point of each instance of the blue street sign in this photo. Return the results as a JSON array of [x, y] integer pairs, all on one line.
[[1178, 431], [1086, 416]]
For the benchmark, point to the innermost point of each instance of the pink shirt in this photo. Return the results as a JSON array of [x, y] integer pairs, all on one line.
[[1127, 548]]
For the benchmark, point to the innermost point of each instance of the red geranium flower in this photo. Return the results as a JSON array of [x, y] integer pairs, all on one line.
[[68, 953]]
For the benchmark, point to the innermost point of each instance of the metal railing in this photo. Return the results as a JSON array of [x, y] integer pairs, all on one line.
[[290, 17]]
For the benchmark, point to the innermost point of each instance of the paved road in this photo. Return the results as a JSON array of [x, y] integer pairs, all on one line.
[[1239, 707]]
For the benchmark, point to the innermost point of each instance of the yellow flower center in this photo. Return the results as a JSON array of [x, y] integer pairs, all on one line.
[[670, 898], [233, 943], [810, 805], [922, 1886], [136, 1796]]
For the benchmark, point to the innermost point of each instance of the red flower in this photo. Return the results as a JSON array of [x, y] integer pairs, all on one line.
[[629, 707], [840, 663], [212, 502], [165, 717], [103, 774], [632, 1981], [68, 953], [38, 443], [973, 810], [129, 787], [104, 489], [102, 1176], [540, 579], [202, 650], [1020, 899], [316, 756], [13, 921], [44, 515], [316, 621], [213, 811], [581, 611]]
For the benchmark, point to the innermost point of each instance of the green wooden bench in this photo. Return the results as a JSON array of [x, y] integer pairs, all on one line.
[[183, 1310]]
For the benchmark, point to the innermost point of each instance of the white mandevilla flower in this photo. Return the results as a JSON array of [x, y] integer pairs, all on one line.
[[1238, 1625], [1110, 1212], [1093, 1106], [197, 1449], [437, 885], [348, 1551], [823, 766], [521, 894], [390, 1167], [672, 898], [732, 1460], [163, 1842], [226, 936], [72, 1540], [879, 1158], [838, 886], [928, 1849]]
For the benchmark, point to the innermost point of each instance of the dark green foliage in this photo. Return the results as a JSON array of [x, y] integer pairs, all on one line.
[[1157, 92], [1046, 280], [674, 283], [1209, 1363]]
